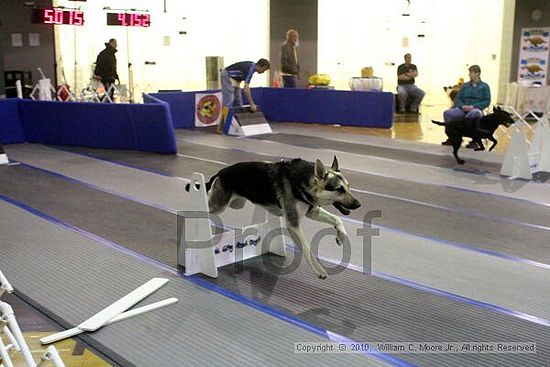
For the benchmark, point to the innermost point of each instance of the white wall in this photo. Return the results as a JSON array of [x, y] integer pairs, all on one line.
[[236, 30], [358, 33]]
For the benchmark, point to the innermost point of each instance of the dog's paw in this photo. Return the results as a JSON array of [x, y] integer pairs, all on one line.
[[321, 272], [341, 237], [460, 161]]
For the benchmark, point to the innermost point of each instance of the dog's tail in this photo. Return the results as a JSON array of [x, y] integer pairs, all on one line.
[[208, 184], [439, 123]]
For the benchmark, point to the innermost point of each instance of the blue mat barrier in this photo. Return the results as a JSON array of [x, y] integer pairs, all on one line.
[[323, 106], [182, 106], [11, 130], [96, 125]]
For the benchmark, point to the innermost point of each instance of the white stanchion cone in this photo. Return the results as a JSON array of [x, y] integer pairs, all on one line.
[[516, 160]]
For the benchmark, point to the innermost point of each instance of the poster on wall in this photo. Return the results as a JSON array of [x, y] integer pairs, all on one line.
[[208, 109], [533, 55]]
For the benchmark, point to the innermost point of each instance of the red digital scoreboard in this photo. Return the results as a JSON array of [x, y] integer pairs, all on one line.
[[58, 16], [129, 19]]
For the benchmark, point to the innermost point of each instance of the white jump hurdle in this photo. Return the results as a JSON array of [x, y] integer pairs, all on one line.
[[522, 158], [539, 152], [201, 251]]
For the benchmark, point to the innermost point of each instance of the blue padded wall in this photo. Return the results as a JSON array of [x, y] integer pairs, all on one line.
[[99, 125], [350, 108], [11, 129], [182, 106]]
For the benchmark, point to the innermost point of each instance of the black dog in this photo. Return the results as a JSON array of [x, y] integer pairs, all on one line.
[[477, 129]]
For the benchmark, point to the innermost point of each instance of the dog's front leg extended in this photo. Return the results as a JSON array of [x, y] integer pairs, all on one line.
[[321, 215], [299, 240]]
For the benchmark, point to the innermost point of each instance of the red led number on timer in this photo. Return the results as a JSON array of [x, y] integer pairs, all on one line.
[[56, 16], [140, 20], [122, 19], [77, 18]]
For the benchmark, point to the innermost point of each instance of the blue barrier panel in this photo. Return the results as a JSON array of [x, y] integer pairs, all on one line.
[[351, 108], [182, 106], [11, 129], [99, 125]]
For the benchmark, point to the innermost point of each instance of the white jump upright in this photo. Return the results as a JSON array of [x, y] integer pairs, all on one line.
[[44, 89], [201, 251], [516, 161], [540, 148], [3, 156], [10, 328]]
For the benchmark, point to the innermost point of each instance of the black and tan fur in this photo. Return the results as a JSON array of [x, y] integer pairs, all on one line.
[[293, 189]]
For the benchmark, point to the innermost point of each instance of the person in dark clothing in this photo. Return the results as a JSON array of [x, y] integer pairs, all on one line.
[[105, 66], [232, 77], [406, 88], [289, 60]]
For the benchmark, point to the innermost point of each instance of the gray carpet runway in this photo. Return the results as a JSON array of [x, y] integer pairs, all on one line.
[[358, 306], [409, 156], [355, 305], [444, 216]]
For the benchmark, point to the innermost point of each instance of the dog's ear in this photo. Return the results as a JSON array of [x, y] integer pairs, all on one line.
[[319, 169], [334, 166]]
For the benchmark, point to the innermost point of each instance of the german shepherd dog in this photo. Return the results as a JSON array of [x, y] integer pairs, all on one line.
[[477, 129], [289, 188]]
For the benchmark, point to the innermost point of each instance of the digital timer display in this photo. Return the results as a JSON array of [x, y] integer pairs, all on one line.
[[58, 16], [129, 19]]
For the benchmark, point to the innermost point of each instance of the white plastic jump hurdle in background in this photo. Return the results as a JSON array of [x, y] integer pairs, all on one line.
[[225, 248], [540, 147], [244, 123], [10, 328], [516, 161], [522, 159]]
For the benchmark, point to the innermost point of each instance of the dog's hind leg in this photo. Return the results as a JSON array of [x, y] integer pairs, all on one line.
[[321, 215], [218, 197], [456, 146], [494, 141], [480, 145]]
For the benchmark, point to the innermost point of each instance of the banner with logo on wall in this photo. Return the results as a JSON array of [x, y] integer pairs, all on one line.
[[533, 55], [208, 109]]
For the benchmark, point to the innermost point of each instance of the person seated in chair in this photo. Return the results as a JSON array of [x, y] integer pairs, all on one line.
[[406, 88], [471, 100]]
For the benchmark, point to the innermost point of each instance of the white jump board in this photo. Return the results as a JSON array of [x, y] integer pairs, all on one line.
[[3, 156], [249, 123], [104, 316]]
